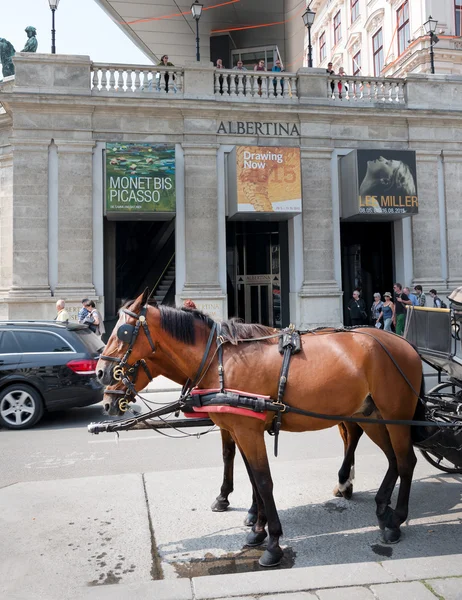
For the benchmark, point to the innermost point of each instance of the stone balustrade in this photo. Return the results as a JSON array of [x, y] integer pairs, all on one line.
[[366, 89], [256, 85], [132, 79]]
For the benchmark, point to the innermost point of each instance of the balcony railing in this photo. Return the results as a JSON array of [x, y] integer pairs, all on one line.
[[365, 89], [255, 85], [133, 79]]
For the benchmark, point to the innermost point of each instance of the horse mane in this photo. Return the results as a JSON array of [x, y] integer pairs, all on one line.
[[180, 324]]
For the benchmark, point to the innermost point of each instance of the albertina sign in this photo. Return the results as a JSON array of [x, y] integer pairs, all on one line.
[[140, 178]]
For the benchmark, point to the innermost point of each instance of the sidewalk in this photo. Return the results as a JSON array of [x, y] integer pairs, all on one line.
[[413, 579], [162, 384]]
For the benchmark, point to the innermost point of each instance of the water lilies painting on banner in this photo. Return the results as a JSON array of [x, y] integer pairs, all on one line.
[[140, 178]]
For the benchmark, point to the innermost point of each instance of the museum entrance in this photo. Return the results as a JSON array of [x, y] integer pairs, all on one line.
[[367, 261], [257, 269]]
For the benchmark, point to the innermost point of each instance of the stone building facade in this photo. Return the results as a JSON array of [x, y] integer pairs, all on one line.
[[62, 111]]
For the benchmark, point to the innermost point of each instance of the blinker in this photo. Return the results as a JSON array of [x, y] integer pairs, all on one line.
[[125, 333]]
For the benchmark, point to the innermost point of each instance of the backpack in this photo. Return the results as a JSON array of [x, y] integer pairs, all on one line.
[[443, 304]]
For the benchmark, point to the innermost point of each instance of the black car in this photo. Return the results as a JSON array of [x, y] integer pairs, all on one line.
[[46, 366]]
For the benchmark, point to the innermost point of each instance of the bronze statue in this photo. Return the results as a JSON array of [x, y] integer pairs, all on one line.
[[7, 52], [31, 44]]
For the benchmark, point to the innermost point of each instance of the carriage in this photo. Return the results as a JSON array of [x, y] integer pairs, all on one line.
[[435, 334]]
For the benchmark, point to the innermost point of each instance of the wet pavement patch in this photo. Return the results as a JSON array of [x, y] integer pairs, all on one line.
[[245, 561], [382, 550], [333, 507]]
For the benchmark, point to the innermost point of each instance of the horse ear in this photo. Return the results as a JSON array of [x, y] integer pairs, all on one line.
[[145, 297], [140, 301]]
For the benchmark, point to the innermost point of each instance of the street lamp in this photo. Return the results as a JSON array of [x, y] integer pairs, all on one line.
[[308, 18], [54, 6], [196, 10], [430, 28]]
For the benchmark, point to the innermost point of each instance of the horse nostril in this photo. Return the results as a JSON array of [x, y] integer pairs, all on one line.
[[106, 407]]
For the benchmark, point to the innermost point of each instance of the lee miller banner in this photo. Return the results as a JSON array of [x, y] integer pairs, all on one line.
[[379, 183], [140, 178], [266, 179]]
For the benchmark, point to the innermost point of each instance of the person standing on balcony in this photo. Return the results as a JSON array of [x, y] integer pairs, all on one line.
[[240, 67], [260, 66], [219, 65], [164, 62], [278, 68], [330, 71], [341, 85]]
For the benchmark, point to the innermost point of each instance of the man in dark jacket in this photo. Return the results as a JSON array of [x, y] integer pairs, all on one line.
[[357, 309]]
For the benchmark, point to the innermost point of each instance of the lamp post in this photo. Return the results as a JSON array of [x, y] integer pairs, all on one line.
[[308, 18], [196, 10], [53, 5], [430, 28]]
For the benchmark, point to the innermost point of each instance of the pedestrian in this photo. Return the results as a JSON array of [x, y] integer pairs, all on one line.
[[94, 320], [376, 309], [357, 308], [164, 62], [412, 297], [240, 67], [278, 68], [62, 314], [260, 66], [421, 297], [221, 79], [341, 85], [437, 302], [330, 71], [388, 312], [401, 301], [83, 312]]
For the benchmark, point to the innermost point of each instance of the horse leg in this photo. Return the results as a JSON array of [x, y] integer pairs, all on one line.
[[351, 434], [258, 508], [406, 461], [252, 445], [221, 502]]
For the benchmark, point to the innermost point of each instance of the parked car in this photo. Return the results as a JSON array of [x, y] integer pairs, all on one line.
[[46, 366]]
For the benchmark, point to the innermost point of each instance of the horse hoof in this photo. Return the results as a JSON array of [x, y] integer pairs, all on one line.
[[220, 505], [347, 493], [255, 538], [271, 559], [250, 519], [390, 536]]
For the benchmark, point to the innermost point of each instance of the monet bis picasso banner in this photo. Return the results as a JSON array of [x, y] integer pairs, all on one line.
[[140, 178], [266, 179], [379, 182]]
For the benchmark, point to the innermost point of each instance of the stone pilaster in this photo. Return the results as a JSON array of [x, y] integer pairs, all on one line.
[[201, 230], [29, 210], [75, 219], [6, 224], [320, 297], [426, 239], [452, 164]]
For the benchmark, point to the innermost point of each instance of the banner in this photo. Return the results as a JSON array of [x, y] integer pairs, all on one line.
[[379, 182], [268, 179], [140, 178]]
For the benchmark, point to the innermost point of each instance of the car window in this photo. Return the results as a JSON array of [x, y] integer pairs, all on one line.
[[91, 341], [8, 344], [41, 341]]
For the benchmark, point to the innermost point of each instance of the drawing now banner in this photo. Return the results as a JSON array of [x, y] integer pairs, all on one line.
[[140, 178], [268, 179]]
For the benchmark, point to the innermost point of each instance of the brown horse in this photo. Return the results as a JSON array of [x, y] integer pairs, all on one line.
[[336, 373], [350, 433]]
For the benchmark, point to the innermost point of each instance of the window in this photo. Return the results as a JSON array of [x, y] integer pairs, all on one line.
[[377, 50], [404, 34], [458, 7], [37, 341], [322, 46], [357, 63], [354, 6], [337, 28], [8, 344]]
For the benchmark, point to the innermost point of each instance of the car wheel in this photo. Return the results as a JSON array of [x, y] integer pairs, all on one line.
[[21, 406]]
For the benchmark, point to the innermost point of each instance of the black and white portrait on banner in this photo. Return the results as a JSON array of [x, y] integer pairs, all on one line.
[[387, 181]]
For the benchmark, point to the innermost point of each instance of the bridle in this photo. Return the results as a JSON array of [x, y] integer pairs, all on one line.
[[122, 371]]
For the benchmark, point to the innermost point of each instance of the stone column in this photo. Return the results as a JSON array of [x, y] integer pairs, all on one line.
[[426, 239], [320, 297], [201, 230], [75, 220], [6, 228], [452, 165]]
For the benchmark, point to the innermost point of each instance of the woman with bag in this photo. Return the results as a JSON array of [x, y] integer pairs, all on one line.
[[357, 308], [94, 320], [376, 310], [388, 312]]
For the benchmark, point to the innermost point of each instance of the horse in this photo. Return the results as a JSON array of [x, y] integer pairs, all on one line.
[[144, 373], [339, 373]]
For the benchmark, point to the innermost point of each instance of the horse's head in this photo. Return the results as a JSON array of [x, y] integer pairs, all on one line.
[[131, 341]]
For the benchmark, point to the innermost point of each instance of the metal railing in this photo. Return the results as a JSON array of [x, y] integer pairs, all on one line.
[[365, 89], [256, 85], [127, 79]]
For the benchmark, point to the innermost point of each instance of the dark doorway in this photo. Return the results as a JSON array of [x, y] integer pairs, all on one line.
[[258, 272], [367, 261]]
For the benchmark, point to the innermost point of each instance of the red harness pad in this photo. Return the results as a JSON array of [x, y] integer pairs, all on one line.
[[244, 412]]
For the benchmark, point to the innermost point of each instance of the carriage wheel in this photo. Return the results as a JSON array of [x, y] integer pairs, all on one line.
[[455, 329], [440, 463]]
